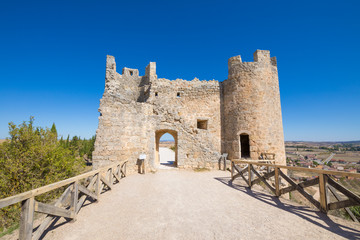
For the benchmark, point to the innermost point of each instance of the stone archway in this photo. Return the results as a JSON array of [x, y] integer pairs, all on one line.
[[158, 135]]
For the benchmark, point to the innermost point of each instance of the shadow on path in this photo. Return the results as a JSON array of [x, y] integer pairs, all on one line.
[[316, 217], [168, 163], [55, 223]]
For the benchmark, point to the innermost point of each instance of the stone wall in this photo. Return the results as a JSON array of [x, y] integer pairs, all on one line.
[[178, 105], [136, 110], [206, 118], [123, 120]]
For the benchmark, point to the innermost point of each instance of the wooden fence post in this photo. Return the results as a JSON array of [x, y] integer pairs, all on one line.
[[232, 170], [125, 169], [111, 176], [249, 175], [26, 219], [322, 190], [74, 199], [97, 185], [277, 183]]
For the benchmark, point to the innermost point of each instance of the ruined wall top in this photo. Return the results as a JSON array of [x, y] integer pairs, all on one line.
[[262, 60], [134, 80], [260, 56]]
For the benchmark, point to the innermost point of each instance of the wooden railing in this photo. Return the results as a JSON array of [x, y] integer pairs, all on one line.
[[70, 202], [326, 183]]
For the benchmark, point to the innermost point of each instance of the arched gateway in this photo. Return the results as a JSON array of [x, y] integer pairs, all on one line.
[[206, 118], [158, 135]]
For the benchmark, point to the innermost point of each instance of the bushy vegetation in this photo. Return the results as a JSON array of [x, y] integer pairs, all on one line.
[[79, 147], [34, 157], [356, 211]]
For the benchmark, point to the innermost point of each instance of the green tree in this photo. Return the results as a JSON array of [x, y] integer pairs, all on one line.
[[30, 159], [62, 142], [37, 131], [54, 131], [67, 141]]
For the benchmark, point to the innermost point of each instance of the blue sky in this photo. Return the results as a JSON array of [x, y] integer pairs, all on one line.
[[52, 56]]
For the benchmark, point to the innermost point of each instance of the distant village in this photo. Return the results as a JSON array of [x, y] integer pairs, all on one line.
[[334, 157]]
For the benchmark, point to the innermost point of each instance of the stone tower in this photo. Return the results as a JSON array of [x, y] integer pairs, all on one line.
[[251, 108], [240, 116]]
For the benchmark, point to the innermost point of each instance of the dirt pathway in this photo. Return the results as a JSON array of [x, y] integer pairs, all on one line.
[[197, 205]]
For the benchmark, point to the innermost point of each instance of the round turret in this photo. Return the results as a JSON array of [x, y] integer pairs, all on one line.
[[252, 110]]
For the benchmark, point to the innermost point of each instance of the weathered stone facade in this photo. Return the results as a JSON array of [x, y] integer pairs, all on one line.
[[206, 118]]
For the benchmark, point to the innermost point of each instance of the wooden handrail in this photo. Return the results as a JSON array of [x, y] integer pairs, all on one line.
[[29, 205], [326, 184], [303, 169], [38, 191]]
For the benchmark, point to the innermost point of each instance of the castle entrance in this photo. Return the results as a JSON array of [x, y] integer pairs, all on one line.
[[166, 154], [245, 145]]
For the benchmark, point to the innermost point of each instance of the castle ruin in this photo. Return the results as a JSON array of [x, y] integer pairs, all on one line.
[[240, 116]]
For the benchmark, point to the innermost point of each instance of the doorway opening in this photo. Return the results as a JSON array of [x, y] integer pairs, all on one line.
[[244, 145], [166, 148]]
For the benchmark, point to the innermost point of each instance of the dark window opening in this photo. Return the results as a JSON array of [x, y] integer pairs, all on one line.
[[131, 73], [245, 146], [156, 94], [202, 124], [178, 94]]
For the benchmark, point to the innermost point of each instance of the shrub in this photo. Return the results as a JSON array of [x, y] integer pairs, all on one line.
[[31, 158]]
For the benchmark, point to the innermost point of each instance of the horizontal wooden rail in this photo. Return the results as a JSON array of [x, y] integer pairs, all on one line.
[[302, 169], [326, 184], [70, 202]]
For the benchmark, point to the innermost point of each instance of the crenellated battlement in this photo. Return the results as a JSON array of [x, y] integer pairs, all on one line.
[[235, 64], [260, 56], [110, 63], [262, 60], [150, 70], [130, 72]]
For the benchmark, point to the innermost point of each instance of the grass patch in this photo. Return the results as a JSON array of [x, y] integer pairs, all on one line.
[[9, 230]]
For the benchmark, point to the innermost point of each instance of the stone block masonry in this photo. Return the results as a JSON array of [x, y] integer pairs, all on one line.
[[240, 116]]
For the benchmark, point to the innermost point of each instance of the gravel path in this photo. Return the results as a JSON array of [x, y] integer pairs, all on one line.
[[197, 205]]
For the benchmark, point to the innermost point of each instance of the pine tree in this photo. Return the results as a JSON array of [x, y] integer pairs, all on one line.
[[54, 131], [62, 142], [67, 141], [92, 146]]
